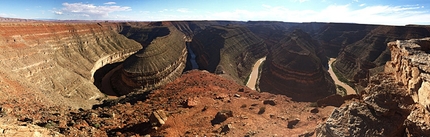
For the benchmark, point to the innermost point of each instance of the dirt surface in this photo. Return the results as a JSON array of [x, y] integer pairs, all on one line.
[[191, 103]]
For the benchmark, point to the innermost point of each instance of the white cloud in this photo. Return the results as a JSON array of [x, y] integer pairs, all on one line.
[[89, 10], [301, 1], [183, 10], [361, 5], [390, 15], [110, 3], [58, 12]]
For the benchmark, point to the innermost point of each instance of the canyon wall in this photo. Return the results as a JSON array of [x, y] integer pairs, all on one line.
[[366, 57], [228, 50], [58, 60], [159, 62], [295, 67]]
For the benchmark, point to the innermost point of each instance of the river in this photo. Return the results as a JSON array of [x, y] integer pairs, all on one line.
[[349, 89], [254, 74]]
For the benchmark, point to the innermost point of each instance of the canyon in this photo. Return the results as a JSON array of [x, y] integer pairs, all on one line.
[[115, 78]]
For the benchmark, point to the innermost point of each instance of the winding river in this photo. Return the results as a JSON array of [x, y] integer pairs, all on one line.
[[253, 77], [349, 89], [254, 74]]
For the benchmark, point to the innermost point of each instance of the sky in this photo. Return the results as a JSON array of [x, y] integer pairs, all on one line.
[[387, 12]]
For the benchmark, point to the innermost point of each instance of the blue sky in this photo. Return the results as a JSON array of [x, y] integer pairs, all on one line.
[[389, 12]]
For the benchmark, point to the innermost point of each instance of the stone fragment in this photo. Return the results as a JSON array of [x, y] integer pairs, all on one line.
[[221, 116], [191, 102], [293, 123], [314, 110], [270, 102], [226, 128], [157, 118]]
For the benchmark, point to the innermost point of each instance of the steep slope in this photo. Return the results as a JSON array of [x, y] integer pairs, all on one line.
[[229, 50], [57, 61], [158, 63], [295, 67]]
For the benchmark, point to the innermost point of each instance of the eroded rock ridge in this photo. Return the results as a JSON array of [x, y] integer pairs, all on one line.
[[159, 62], [295, 67]]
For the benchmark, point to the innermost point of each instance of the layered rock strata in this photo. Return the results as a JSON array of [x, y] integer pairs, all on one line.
[[229, 50], [158, 63], [295, 67], [366, 57], [57, 60]]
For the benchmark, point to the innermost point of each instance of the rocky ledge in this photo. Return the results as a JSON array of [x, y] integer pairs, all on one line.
[[295, 68], [410, 65]]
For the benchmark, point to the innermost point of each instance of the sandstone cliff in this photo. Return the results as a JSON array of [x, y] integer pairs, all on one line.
[[57, 61], [230, 50], [159, 62], [295, 67]]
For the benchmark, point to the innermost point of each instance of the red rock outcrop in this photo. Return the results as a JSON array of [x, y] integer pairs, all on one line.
[[293, 68], [57, 60]]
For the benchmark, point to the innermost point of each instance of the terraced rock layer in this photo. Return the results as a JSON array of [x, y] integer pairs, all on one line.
[[159, 62], [295, 67], [229, 50], [55, 61]]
